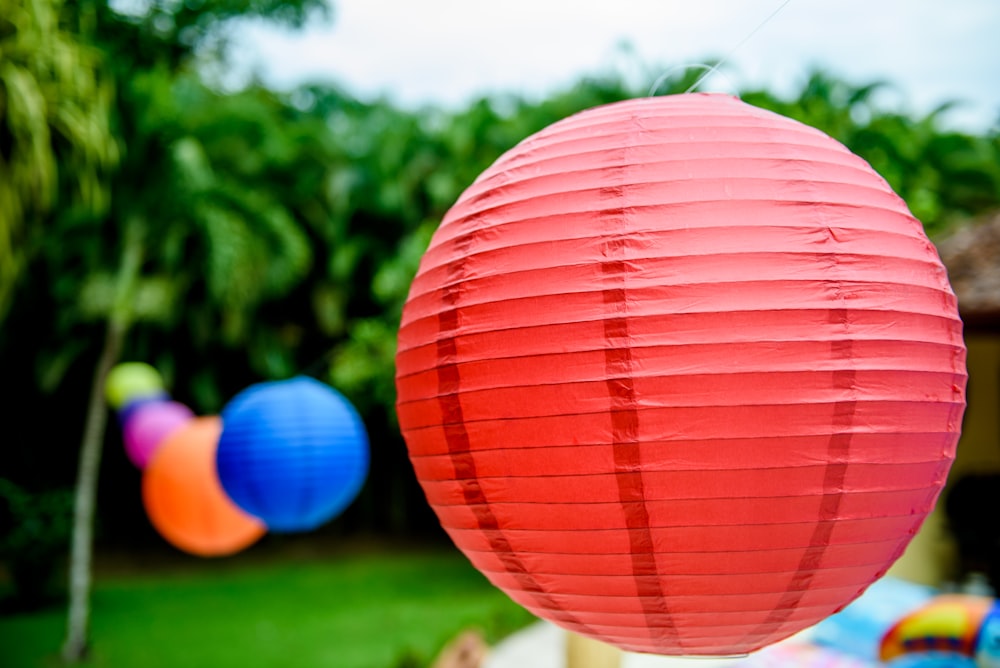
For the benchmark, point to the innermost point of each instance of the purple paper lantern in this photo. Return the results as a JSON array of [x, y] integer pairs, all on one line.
[[148, 425], [126, 412]]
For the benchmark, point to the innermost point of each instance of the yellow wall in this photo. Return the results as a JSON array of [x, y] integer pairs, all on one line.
[[931, 557], [979, 448]]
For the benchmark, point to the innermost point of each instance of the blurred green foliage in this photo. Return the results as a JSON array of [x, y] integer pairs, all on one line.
[[280, 231], [34, 538], [944, 175], [56, 146]]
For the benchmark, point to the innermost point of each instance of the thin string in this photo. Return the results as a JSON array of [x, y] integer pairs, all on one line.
[[735, 48], [314, 368], [687, 66]]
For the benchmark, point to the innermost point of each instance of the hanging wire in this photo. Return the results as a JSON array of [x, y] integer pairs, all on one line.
[[316, 367], [714, 68], [688, 66]]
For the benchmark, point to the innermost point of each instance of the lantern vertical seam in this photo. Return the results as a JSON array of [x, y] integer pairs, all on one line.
[[838, 453], [459, 447], [843, 381], [625, 442]]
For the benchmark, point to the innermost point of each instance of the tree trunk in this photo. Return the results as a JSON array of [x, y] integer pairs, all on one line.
[[85, 503]]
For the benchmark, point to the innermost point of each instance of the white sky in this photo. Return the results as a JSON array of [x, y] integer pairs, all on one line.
[[447, 51]]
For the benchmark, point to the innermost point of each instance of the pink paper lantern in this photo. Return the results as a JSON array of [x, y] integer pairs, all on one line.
[[148, 425], [681, 374]]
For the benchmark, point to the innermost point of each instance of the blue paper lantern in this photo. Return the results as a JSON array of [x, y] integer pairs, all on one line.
[[293, 453]]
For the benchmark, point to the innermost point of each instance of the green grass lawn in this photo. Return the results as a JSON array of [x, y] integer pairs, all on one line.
[[374, 608]]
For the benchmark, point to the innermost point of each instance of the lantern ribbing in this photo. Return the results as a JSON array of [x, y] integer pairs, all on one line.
[[681, 374], [293, 453]]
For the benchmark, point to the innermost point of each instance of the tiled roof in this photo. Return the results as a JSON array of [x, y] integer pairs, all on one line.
[[972, 255]]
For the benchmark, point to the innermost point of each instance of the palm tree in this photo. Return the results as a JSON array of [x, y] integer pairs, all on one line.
[[169, 199], [56, 145]]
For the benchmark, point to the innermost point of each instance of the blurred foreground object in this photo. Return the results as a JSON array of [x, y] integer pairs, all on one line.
[[904, 625], [681, 375], [951, 628], [584, 652], [858, 629], [468, 650]]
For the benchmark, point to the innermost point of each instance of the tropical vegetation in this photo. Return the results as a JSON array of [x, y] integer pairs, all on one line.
[[230, 236]]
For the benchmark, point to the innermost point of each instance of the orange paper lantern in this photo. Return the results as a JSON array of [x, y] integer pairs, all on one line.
[[185, 500], [681, 374]]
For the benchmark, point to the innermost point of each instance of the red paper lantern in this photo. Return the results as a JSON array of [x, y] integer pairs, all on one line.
[[681, 374]]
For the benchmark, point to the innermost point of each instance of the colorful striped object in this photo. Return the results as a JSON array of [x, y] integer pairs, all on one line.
[[948, 624]]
